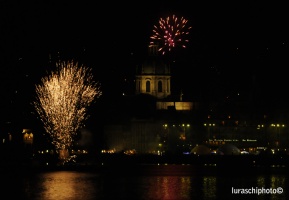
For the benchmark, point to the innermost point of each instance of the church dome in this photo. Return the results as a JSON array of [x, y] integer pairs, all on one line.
[[153, 64]]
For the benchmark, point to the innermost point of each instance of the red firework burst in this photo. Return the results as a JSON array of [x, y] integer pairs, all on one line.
[[170, 33]]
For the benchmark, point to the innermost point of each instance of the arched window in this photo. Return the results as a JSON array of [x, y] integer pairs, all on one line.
[[138, 85], [148, 86], [168, 85], [160, 86]]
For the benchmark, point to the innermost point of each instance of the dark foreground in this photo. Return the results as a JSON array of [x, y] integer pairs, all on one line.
[[143, 181]]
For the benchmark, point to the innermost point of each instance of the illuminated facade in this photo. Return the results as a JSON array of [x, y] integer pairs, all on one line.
[[178, 126], [27, 136], [153, 76], [149, 134], [142, 136]]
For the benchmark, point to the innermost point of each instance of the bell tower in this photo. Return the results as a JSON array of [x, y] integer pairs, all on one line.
[[153, 75]]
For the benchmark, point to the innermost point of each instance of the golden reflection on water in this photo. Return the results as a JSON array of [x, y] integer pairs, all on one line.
[[277, 181], [270, 181], [209, 187], [273, 182], [65, 185]]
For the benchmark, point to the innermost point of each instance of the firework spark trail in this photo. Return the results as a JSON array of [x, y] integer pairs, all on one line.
[[62, 101], [170, 33]]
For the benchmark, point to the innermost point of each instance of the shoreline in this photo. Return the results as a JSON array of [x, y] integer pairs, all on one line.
[[221, 163]]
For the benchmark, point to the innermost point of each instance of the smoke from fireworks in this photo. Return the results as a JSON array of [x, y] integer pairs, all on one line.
[[62, 101], [170, 33]]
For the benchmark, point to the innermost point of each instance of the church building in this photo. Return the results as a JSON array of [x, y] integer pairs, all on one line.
[[149, 134]]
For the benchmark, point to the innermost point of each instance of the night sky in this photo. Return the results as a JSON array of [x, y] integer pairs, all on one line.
[[233, 49]]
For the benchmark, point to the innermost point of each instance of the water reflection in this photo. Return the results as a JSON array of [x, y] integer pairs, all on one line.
[[163, 183], [209, 187], [272, 181], [168, 187], [61, 185]]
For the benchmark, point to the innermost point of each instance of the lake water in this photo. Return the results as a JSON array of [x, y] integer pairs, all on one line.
[[175, 182]]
